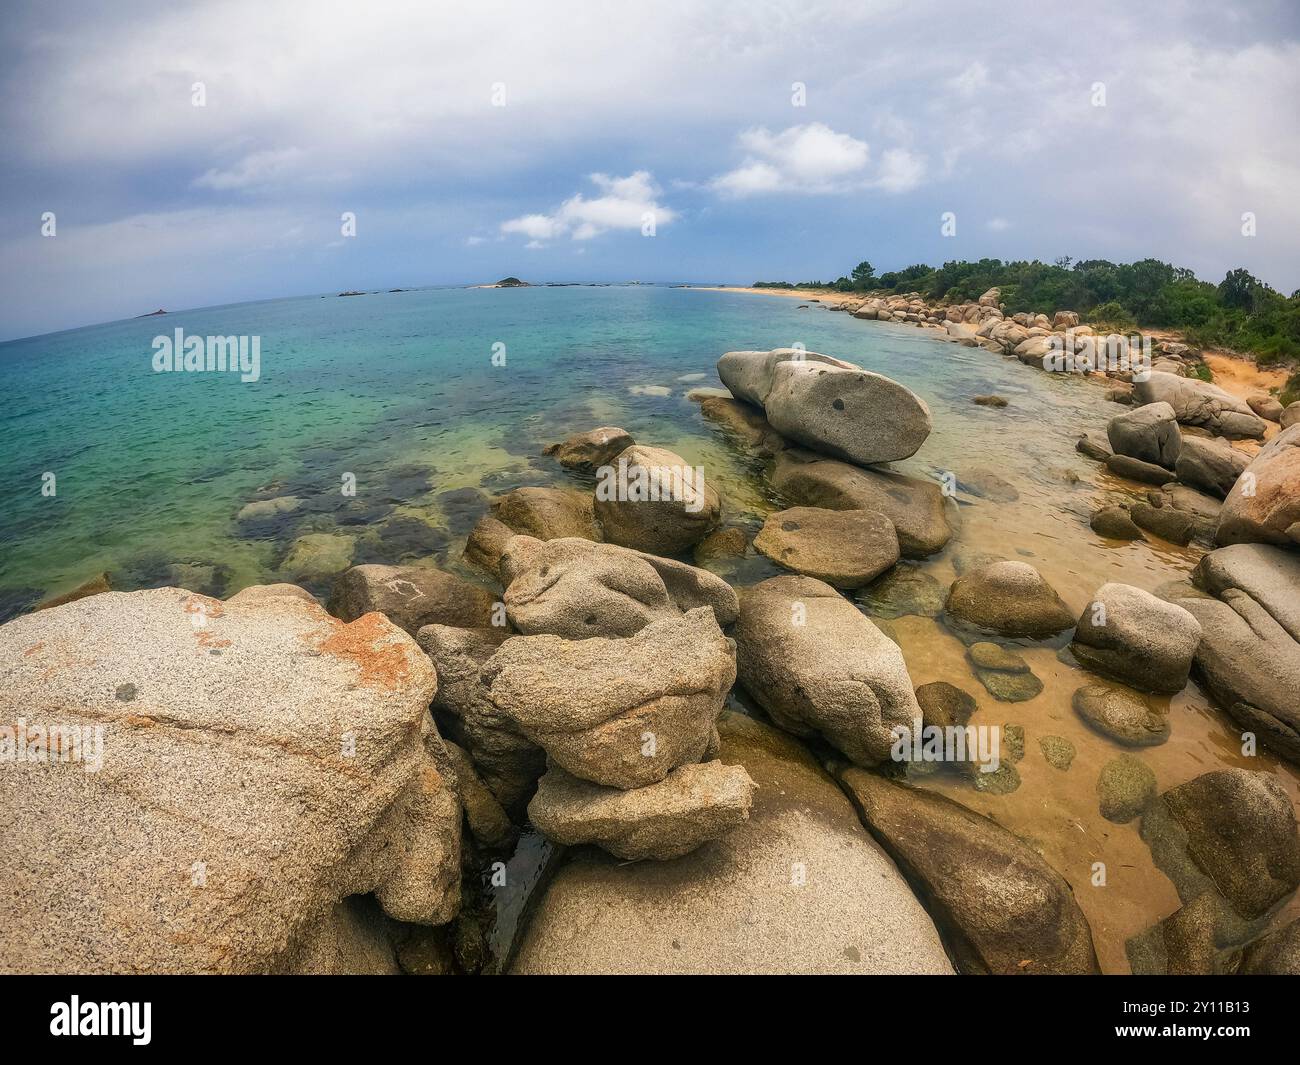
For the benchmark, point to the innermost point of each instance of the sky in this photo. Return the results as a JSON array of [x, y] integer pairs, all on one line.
[[209, 153]]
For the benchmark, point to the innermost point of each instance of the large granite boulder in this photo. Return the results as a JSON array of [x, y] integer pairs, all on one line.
[[1149, 433], [589, 450], [1200, 403], [1009, 599], [238, 770], [1210, 465], [798, 888], [542, 513], [645, 705], [651, 499], [846, 548], [817, 665], [411, 597], [578, 589], [691, 805], [1131, 636], [1000, 907], [750, 375], [508, 762], [1264, 505], [917, 508]]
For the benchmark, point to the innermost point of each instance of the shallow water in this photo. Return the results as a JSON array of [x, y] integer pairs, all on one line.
[[400, 390]]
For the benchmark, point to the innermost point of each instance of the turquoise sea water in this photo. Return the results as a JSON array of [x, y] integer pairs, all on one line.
[[399, 389]]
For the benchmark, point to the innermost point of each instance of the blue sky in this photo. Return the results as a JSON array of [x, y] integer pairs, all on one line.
[[687, 113]]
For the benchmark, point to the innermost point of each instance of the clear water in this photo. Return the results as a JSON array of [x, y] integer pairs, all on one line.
[[400, 390]]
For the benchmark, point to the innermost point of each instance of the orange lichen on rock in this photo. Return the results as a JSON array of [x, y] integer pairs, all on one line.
[[370, 642]]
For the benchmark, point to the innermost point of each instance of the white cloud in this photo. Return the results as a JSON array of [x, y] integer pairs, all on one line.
[[997, 225], [971, 80], [258, 168], [804, 159], [625, 203], [900, 170]]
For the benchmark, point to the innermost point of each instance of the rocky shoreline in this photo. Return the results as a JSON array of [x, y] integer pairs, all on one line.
[[730, 776]]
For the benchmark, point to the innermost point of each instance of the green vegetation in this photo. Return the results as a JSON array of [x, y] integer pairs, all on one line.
[[1241, 312]]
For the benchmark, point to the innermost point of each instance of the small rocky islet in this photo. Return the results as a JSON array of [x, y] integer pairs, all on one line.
[[611, 752]]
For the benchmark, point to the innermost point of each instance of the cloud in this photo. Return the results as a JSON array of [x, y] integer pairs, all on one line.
[[900, 170], [625, 203], [258, 168], [810, 159]]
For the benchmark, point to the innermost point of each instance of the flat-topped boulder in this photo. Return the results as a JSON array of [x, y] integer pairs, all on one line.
[[845, 548], [1200, 403], [1001, 908], [691, 805], [831, 406], [243, 767], [411, 597], [800, 887], [578, 589], [1264, 505], [1149, 433], [1268, 575], [917, 508], [619, 712], [817, 665]]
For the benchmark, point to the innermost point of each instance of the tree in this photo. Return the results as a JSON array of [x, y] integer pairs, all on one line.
[[1238, 289], [864, 274]]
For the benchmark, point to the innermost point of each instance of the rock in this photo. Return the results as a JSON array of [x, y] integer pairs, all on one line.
[[961, 332], [1125, 787], [744, 422], [1176, 526], [1240, 830], [1007, 598], [507, 761], [991, 656], [1129, 635], [94, 586], [548, 513], [831, 406], [990, 298], [1005, 674], [1115, 523], [1121, 714], [1268, 575], [317, 556], [267, 509], [721, 544], [817, 665], [1180, 945], [985, 484], [487, 542], [1200, 403], [654, 501], [643, 706], [411, 597], [1210, 465], [261, 762], [486, 817], [1267, 407], [577, 589], [916, 507], [586, 451], [1065, 319], [1264, 505], [690, 806], [1204, 508], [1057, 751], [258, 593], [1276, 954], [798, 888], [1137, 470], [944, 705], [1033, 350], [904, 590], [1290, 415], [1149, 433], [1001, 907], [989, 401], [1094, 447], [845, 548]]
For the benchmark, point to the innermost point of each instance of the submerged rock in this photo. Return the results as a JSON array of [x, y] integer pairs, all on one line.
[[721, 544], [1115, 523], [1057, 751], [845, 548], [944, 705], [261, 762], [691, 805], [1129, 635], [1122, 715], [798, 888], [1125, 788], [916, 507], [817, 665], [596, 447], [411, 597], [1276, 954], [316, 556], [577, 589], [902, 591], [643, 705], [1001, 908], [1007, 598]]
